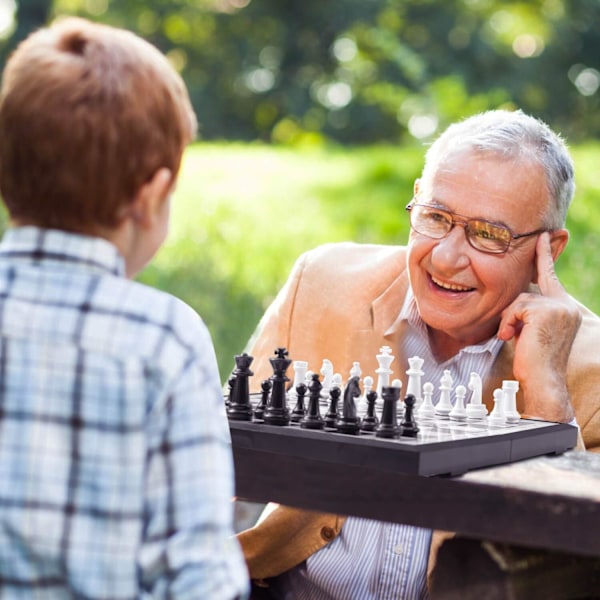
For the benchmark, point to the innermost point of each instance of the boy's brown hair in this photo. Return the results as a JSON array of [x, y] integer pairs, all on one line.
[[88, 113]]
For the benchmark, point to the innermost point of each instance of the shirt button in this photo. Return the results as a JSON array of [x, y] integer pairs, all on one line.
[[399, 549], [327, 533]]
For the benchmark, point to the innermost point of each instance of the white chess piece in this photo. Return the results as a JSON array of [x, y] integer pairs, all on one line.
[[427, 409], [327, 373], [396, 383], [497, 418], [444, 406], [300, 367], [384, 359], [367, 387], [510, 388], [415, 373], [336, 380], [355, 371], [308, 378], [459, 412], [476, 409]]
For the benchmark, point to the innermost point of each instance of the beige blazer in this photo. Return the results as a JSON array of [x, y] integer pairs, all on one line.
[[342, 302]]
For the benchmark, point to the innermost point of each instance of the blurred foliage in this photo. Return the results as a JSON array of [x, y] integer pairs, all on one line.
[[243, 213], [362, 71], [310, 75]]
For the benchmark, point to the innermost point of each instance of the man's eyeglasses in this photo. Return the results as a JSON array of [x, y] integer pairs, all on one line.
[[437, 223]]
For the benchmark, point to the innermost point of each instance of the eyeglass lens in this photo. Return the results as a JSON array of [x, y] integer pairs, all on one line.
[[437, 223]]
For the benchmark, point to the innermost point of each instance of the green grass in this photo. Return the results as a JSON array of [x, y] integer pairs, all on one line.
[[243, 213]]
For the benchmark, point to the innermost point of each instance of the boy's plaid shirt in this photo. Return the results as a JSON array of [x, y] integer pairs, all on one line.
[[116, 474]]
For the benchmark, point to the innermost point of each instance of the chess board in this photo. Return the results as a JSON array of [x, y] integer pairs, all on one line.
[[442, 447], [451, 444]]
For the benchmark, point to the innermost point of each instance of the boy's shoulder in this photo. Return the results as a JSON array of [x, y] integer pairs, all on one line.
[[145, 307]]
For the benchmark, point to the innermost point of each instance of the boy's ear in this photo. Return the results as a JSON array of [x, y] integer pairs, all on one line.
[[148, 201]]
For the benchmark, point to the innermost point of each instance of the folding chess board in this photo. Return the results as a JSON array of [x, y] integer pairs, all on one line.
[[442, 447]]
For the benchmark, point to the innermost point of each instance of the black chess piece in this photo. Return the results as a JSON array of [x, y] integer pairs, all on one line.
[[349, 421], [388, 427], [277, 411], [299, 410], [370, 420], [259, 409], [313, 419], [332, 416], [239, 408], [408, 426], [230, 384]]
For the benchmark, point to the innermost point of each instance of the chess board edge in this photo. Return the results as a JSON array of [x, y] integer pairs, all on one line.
[[448, 457]]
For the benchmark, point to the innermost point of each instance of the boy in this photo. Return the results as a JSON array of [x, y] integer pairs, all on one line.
[[115, 462]]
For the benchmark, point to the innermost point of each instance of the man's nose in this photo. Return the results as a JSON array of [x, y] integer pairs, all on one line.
[[452, 250]]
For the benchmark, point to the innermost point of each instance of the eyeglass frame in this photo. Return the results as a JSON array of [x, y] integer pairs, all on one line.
[[464, 222]]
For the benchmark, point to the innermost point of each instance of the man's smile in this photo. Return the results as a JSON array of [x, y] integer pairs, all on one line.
[[453, 287]]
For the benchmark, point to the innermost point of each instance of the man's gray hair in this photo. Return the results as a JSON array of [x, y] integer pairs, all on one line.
[[511, 135]]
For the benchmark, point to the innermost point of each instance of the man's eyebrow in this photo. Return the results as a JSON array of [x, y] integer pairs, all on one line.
[[443, 206]]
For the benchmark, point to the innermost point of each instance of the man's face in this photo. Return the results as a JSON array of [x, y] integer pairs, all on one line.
[[461, 291]]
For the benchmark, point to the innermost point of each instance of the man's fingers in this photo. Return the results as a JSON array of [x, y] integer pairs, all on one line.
[[546, 275]]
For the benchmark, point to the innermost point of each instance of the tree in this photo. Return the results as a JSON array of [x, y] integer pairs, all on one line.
[[368, 70]]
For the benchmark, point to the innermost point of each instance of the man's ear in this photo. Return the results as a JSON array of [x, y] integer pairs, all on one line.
[[416, 187], [148, 201], [558, 242]]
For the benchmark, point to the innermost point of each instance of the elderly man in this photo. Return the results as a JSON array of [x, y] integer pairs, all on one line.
[[474, 290]]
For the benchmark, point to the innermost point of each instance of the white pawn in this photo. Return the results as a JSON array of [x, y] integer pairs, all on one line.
[[444, 406], [510, 388], [414, 378], [396, 383], [363, 404], [308, 378], [355, 371], [384, 359], [327, 373], [336, 381], [476, 409], [427, 409], [497, 417], [300, 367], [459, 412]]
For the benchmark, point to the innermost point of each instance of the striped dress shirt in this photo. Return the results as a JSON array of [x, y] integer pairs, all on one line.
[[375, 560], [116, 473]]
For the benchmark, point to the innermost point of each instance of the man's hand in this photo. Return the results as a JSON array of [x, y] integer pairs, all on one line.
[[543, 326]]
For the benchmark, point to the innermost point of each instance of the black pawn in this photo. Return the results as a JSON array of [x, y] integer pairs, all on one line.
[[277, 411], [299, 410], [239, 408], [408, 426], [370, 420], [313, 419], [332, 412], [349, 422], [259, 409], [388, 428]]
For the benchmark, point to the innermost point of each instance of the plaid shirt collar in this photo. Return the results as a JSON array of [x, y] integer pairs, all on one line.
[[34, 245]]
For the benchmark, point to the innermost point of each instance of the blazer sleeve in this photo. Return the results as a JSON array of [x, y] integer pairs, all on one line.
[[286, 537], [273, 330]]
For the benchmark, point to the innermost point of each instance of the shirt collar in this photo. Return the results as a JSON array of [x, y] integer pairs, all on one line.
[[36, 245], [410, 313]]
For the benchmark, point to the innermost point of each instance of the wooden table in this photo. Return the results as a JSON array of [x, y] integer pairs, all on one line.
[[550, 503]]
